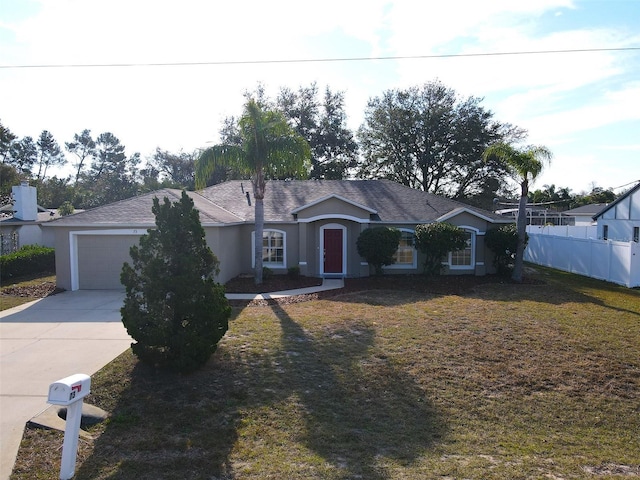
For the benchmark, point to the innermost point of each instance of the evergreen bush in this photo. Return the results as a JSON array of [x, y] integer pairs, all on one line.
[[173, 308]]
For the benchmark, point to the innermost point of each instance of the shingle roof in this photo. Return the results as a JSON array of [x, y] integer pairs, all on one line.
[[392, 202], [136, 211], [227, 203], [591, 209]]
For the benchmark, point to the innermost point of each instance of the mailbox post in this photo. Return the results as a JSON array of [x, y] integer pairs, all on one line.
[[69, 392]]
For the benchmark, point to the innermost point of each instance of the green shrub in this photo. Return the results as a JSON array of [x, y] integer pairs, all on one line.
[[29, 260], [66, 209], [378, 245], [267, 273], [503, 241], [293, 272], [435, 240], [173, 308]]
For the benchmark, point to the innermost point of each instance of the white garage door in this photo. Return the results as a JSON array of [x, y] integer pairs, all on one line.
[[100, 260]]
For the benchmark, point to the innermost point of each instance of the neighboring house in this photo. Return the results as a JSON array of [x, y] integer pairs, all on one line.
[[312, 225], [620, 220], [21, 221], [584, 215], [537, 215]]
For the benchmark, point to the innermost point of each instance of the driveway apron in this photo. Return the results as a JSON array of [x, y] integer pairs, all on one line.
[[43, 341]]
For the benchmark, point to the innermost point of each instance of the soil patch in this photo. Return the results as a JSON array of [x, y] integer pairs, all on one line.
[[442, 285], [40, 290]]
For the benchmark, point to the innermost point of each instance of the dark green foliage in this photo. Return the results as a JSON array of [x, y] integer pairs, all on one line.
[[267, 273], [322, 121], [49, 154], [173, 308], [435, 240], [378, 245], [28, 260], [597, 195], [429, 138], [66, 209], [9, 177], [503, 242], [293, 272]]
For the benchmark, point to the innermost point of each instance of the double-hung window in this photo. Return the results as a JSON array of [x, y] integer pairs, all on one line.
[[464, 258], [405, 256], [273, 248]]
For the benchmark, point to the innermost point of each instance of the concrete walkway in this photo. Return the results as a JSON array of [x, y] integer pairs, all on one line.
[[327, 284], [43, 341], [57, 336]]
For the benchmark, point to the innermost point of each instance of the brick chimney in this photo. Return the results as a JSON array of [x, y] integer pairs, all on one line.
[[26, 202]]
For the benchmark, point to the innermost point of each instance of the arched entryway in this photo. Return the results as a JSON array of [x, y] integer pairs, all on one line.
[[333, 250]]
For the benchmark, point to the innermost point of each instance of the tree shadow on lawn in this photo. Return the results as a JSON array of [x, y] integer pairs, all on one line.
[[394, 290], [560, 290], [167, 425], [540, 285], [359, 409]]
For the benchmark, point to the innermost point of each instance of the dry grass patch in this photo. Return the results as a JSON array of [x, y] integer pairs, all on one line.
[[507, 381]]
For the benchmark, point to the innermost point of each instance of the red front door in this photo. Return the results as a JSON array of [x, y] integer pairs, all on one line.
[[333, 251]]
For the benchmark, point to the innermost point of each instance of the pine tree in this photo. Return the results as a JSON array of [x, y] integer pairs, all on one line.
[[173, 307]]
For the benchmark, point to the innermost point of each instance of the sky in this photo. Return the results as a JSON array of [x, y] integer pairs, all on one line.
[[159, 73]]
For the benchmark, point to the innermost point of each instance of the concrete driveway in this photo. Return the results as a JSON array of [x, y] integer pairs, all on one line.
[[52, 338]]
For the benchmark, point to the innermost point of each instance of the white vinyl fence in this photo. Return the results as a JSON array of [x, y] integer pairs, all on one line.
[[578, 231], [617, 262]]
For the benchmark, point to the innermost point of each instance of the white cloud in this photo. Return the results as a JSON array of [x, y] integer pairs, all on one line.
[[557, 97], [612, 107]]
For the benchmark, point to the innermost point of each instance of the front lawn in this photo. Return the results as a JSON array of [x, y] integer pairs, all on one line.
[[540, 380]]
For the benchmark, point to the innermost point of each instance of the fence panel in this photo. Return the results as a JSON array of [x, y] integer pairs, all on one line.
[[599, 260], [581, 256], [635, 264], [617, 262], [577, 231]]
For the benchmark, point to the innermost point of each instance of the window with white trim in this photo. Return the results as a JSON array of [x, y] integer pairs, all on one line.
[[405, 256], [463, 258], [273, 248]]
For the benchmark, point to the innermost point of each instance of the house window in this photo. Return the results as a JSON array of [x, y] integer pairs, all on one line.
[[463, 258], [636, 234], [406, 255], [273, 248], [605, 232]]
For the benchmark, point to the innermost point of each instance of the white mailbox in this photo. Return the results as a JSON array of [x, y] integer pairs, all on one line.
[[70, 389]]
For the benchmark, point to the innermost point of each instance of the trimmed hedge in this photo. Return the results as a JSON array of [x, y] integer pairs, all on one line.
[[28, 260]]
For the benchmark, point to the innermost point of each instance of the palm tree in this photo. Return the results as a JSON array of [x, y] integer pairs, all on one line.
[[524, 165], [268, 148]]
